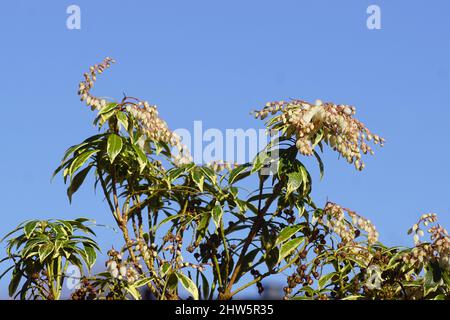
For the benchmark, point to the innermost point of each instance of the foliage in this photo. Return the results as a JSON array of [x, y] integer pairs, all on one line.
[[193, 229], [42, 253]]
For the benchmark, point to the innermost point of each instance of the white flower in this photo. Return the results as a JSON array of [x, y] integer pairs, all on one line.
[[123, 271], [111, 265], [114, 273]]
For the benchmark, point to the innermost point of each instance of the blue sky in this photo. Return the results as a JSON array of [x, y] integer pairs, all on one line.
[[216, 61]]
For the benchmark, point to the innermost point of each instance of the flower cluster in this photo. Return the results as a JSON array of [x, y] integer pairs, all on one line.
[[348, 232], [311, 123], [174, 247], [156, 129], [88, 83], [86, 291], [438, 249], [365, 225], [146, 115], [221, 165], [146, 252], [119, 269], [300, 276]]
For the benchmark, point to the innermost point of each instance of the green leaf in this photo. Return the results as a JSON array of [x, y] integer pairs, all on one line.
[[209, 174], [301, 298], [287, 233], [141, 157], [123, 120], [234, 191], [58, 245], [172, 281], [114, 146], [259, 161], [295, 180], [432, 277], [73, 259], [324, 279], [30, 227], [205, 286], [142, 282], [175, 173], [203, 226], [107, 108], [198, 178], [289, 247], [79, 161], [15, 280], [321, 166], [243, 205], [77, 181], [217, 214], [91, 256], [237, 174], [247, 262], [260, 197], [161, 147], [353, 297], [73, 149], [272, 257], [134, 292], [12, 232], [169, 218], [188, 284], [33, 245], [165, 268], [446, 277], [59, 230], [317, 138], [101, 119], [44, 251]]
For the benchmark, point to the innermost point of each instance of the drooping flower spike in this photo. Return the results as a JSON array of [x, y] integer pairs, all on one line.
[[146, 115], [311, 123]]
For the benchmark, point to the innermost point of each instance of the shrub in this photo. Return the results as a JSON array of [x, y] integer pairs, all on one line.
[[194, 227]]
